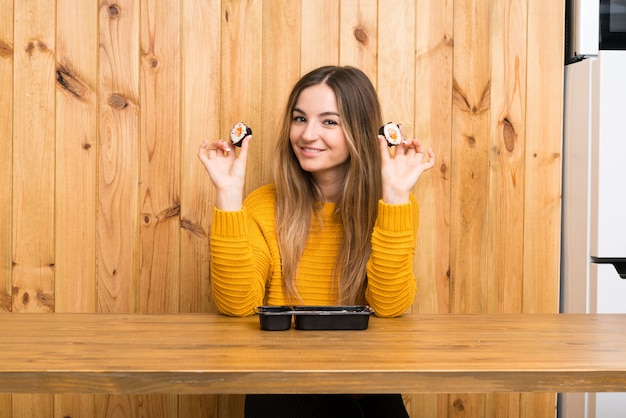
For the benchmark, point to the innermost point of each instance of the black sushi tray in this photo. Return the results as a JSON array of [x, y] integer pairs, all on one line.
[[306, 317]]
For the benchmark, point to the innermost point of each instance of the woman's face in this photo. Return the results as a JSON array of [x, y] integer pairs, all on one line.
[[316, 134]]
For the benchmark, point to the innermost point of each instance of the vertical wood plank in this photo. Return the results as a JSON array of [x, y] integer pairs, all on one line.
[[242, 64], [118, 155], [320, 32], [281, 70], [200, 106], [542, 215], [159, 42], [118, 177], [433, 117], [157, 406], [32, 405], [396, 63], [542, 204], [358, 33], [200, 117], [33, 173], [114, 406], [33, 158], [505, 235], [5, 405], [538, 405], [434, 40], [76, 172], [6, 166], [469, 160], [75, 406], [471, 97], [160, 156], [201, 120], [6, 153], [6, 116], [197, 406], [76, 166]]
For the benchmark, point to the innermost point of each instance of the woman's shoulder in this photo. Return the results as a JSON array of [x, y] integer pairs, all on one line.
[[262, 197]]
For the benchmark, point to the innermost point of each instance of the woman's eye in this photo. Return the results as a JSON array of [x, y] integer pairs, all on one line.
[[330, 122], [298, 119]]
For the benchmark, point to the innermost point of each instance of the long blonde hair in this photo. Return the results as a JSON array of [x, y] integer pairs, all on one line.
[[298, 198]]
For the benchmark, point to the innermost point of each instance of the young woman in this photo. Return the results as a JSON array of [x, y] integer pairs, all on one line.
[[337, 227]]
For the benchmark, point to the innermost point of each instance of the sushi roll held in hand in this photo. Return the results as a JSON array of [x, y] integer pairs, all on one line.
[[391, 132], [238, 132]]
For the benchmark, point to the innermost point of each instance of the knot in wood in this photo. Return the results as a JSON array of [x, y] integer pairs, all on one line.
[[6, 50], [114, 11], [361, 36], [118, 101]]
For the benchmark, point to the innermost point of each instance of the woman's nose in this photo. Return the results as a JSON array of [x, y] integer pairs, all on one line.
[[310, 132]]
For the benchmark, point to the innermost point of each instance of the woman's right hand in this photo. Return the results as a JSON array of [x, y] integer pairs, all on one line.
[[227, 171]]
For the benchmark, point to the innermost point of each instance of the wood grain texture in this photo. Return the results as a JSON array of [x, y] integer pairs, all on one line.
[[76, 172], [434, 44], [506, 168], [544, 128], [469, 160], [159, 172], [118, 353], [160, 159], [200, 56], [281, 69], [320, 33], [506, 157], [358, 36], [542, 203], [76, 159], [200, 102], [471, 106], [33, 158], [118, 156], [396, 63], [433, 126], [6, 153], [6, 168], [105, 206]]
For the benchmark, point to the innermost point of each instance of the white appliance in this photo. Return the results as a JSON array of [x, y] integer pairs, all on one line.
[[593, 269]]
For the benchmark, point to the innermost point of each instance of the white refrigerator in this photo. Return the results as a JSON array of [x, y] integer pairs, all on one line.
[[593, 269]]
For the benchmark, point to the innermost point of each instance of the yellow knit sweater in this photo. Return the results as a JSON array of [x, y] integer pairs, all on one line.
[[246, 268]]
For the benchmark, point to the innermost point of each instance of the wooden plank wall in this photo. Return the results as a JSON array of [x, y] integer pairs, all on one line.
[[105, 207]]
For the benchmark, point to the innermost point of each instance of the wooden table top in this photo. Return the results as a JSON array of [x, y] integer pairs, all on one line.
[[207, 353]]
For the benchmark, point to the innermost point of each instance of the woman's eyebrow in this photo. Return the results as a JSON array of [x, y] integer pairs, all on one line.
[[329, 113]]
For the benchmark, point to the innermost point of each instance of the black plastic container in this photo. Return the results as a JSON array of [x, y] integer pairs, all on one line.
[[275, 318], [332, 317]]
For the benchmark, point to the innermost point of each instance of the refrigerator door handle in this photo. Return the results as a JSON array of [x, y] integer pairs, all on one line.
[[618, 263]]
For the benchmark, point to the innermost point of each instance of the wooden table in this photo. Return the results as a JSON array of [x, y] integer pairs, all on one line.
[[189, 354]]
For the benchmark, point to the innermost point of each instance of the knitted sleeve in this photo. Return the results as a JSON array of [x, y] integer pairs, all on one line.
[[240, 260], [391, 285]]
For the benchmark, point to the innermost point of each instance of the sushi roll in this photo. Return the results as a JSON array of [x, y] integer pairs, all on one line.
[[391, 132], [238, 132]]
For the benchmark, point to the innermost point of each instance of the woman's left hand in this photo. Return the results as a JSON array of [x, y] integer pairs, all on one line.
[[402, 169]]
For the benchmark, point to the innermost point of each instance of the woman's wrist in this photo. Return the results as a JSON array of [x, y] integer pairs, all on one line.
[[229, 200], [394, 197]]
